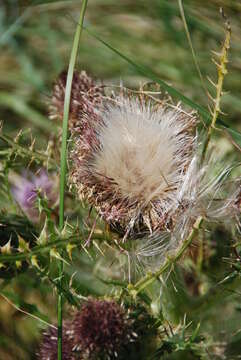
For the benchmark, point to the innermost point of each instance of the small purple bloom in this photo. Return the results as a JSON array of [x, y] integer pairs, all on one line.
[[27, 188]]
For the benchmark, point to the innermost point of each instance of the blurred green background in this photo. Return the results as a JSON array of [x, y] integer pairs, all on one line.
[[35, 42]]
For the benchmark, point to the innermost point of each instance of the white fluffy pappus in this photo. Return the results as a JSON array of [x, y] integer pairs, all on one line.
[[142, 150]]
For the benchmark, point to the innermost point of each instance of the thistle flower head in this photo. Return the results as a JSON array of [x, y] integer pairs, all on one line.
[[100, 329], [28, 187], [134, 162]]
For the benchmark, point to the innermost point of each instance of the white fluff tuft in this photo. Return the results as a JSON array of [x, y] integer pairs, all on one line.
[[142, 151], [202, 193]]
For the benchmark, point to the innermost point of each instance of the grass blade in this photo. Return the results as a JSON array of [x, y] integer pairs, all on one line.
[[63, 164]]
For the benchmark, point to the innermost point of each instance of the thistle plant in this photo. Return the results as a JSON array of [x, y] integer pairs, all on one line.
[[138, 251], [17, 234], [140, 164]]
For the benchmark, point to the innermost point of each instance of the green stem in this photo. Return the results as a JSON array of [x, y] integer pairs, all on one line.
[[151, 277], [63, 159], [222, 71]]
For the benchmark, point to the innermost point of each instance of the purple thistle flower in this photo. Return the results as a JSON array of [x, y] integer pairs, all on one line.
[[101, 330], [27, 189]]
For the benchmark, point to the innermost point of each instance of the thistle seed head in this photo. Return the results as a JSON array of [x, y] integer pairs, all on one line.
[[138, 163], [131, 161]]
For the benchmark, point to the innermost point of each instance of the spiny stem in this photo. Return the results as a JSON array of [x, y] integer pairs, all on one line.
[[222, 71], [35, 155], [58, 243], [151, 277], [63, 159]]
